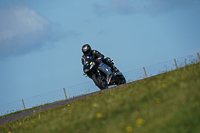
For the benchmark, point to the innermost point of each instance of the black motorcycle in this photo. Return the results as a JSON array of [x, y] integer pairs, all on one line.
[[102, 75]]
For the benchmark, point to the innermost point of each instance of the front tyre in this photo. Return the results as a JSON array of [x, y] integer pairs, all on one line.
[[102, 84]]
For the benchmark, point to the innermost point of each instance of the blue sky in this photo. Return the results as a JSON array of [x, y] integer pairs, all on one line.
[[40, 41]]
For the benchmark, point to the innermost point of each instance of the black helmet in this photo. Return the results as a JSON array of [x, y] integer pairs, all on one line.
[[86, 49]]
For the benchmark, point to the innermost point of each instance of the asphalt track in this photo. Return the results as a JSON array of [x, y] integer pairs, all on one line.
[[51, 106]]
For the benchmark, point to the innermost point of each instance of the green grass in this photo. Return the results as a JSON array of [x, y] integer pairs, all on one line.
[[17, 112], [168, 103], [20, 111]]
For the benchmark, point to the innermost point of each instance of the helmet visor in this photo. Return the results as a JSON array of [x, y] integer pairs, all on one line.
[[86, 50]]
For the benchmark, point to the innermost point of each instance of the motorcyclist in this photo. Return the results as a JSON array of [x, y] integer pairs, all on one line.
[[87, 51]]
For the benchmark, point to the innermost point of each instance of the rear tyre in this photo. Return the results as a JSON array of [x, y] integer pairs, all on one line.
[[121, 80], [102, 84]]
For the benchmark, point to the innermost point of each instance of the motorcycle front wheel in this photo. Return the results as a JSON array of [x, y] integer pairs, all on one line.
[[102, 84]]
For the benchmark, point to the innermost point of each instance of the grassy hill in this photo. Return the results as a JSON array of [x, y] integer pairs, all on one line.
[[167, 103]]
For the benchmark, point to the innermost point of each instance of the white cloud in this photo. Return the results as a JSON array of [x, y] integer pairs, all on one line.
[[21, 30], [162, 6], [123, 6], [119, 6], [153, 7]]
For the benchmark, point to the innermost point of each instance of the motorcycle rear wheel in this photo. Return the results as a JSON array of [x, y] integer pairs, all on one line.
[[99, 83], [122, 80]]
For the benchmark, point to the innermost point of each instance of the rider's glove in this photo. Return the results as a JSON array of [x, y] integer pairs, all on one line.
[[98, 59]]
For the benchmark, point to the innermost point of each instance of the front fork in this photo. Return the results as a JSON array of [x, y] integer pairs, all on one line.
[[99, 74]]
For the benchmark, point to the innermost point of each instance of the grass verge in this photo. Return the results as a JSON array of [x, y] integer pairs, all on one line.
[[166, 103]]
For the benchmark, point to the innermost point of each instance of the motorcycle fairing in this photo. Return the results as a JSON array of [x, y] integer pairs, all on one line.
[[88, 64], [118, 73], [107, 70]]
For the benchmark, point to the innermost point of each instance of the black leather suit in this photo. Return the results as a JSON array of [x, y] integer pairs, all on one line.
[[97, 55]]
